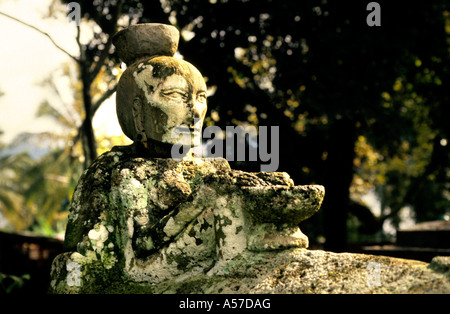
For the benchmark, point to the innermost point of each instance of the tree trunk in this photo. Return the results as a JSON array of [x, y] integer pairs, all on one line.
[[87, 134], [338, 177]]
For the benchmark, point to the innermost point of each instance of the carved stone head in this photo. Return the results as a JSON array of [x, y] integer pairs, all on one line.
[[159, 97]]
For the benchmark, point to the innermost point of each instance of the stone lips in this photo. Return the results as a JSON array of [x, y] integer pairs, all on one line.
[[146, 40]]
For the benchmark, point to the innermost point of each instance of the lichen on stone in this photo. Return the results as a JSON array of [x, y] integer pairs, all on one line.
[[151, 220]]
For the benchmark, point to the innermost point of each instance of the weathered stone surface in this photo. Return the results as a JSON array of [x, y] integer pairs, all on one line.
[[145, 40], [441, 264], [162, 99], [149, 220], [314, 271], [297, 271]]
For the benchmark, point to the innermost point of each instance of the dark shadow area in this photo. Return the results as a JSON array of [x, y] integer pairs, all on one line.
[[25, 262]]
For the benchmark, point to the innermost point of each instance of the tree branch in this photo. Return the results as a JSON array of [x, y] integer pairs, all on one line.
[[80, 46], [94, 109], [105, 51], [105, 96], [42, 32], [102, 58]]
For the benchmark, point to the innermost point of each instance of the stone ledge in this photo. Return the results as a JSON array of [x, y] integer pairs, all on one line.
[[304, 271], [313, 271]]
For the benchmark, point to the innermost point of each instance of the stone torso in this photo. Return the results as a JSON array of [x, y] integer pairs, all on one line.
[[149, 191], [146, 220]]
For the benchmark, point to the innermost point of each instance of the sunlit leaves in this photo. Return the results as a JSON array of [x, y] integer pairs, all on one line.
[[12, 200]]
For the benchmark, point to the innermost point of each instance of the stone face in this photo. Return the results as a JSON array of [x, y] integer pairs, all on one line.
[[163, 99], [159, 98]]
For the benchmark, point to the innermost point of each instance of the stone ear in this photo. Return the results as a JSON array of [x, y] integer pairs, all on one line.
[[137, 111]]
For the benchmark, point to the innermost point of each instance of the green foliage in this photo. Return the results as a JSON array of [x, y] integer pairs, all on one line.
[[11, 189], [34, 194], [11, 283], [50, 185]]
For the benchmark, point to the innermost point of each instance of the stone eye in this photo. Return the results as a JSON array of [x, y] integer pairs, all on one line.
[[174, 94], [201, 97]]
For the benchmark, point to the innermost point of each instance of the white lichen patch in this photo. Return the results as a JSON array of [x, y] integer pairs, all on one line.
[[232, 224], [98, 236], [103, 252], [140, 172], [131, 192], [144, 77], [187, 213], [73, 274], [135, 183]]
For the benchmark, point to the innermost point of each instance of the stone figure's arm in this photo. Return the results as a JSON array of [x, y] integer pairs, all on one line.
[[242, 178], [272, 197], [271, 207], [90, 199], [156, 206], [154, 237]]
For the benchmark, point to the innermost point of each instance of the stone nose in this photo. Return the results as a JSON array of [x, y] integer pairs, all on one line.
[[195, 112]]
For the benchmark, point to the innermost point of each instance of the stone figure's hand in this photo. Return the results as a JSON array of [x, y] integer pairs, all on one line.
[[282, 205]]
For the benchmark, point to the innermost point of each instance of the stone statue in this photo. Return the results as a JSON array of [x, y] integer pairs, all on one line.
[[139, 217]]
